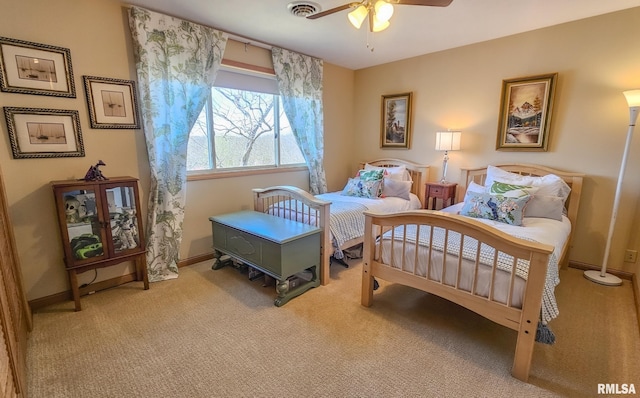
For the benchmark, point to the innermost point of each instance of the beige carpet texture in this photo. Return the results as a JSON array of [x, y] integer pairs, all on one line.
[[218, 334]]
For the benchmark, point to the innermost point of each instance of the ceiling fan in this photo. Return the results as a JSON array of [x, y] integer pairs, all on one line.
[[378, 11]]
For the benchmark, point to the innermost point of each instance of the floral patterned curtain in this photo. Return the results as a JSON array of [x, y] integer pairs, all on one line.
[[176, 64], [300, 84]]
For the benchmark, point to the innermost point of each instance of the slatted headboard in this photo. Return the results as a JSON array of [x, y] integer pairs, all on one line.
[[419, 173]]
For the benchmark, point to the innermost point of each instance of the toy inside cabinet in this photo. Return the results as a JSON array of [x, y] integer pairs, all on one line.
[[100, 226]]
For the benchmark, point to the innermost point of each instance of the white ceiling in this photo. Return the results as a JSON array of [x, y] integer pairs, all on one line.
[[414, 30]]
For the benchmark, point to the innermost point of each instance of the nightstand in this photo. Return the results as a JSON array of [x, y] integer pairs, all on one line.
[[437, 190]]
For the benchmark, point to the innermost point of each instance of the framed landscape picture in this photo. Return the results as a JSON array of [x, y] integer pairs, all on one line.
[[525, 113], [395, 126], [112, 103], [44, 133], [33, 68]]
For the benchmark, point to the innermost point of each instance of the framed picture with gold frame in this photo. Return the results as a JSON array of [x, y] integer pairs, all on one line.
[[395, 125], [44, 133], [33, 68], [525, 113], [112, 103]]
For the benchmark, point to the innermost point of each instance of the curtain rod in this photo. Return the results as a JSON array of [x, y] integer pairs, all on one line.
[[233, 36]]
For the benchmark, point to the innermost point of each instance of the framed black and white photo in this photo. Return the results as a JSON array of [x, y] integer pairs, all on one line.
[[33, 68], [525, 113], [395, 124], [44, 133], [112, 103]]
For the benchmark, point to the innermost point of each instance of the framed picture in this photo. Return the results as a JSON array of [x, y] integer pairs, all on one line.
[[44, 133], [525, 113], [32, 68], [112, 103], [395, 127]]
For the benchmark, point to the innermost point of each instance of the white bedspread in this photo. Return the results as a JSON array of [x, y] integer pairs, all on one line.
[[383, 205], [543, 230], [347, 218]]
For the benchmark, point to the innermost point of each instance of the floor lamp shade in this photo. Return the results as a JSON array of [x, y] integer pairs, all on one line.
[[447, 141], [602, 277]]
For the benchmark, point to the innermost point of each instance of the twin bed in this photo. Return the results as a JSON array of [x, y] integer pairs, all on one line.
[[506, 273], [340, 217]]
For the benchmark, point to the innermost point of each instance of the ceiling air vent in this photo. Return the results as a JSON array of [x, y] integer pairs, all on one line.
[[303, 8]]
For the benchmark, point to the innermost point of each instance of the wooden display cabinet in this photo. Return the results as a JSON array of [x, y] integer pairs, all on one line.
[[100, 226]]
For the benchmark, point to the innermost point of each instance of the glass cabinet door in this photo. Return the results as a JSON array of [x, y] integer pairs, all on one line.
[[83, 224], [123, 218]]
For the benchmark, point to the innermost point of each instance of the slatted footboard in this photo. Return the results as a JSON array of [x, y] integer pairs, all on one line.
[[465, 261], [296, 204]]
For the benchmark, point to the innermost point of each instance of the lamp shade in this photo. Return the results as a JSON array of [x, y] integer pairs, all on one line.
[[633, 97], [384, 10], [357, 16], [378, 25], [448, 140]]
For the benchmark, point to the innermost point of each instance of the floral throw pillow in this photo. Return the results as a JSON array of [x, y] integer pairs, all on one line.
[[362, 188], [370, 175], [399, 173], [495, 207], [542, 206]]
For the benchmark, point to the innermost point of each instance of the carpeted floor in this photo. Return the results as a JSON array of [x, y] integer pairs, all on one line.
[[217, 334]]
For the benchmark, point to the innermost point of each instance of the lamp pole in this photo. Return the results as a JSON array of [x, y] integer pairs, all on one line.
[[445, 161], [602, 277]]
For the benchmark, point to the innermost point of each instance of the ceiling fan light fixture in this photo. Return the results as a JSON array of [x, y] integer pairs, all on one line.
[[378, 25], [357, 16], [383, 10]]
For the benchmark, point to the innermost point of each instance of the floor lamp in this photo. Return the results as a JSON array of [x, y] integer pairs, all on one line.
[[602, 277]]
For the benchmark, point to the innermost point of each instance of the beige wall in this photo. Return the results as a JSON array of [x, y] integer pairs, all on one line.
[[596, 59], [97, 34], [458, 88], [98, 38]]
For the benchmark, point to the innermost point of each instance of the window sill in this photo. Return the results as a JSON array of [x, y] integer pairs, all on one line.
[[240, 172]]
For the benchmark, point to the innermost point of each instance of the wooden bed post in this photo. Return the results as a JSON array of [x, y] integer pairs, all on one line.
[[367, 256], [531, 305], [326, 249]]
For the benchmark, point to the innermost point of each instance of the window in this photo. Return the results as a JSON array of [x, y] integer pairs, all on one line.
[[242, 125]]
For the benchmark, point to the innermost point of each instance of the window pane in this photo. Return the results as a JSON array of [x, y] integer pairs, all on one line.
[[244, 132], [243, 128], [198, 148], [289, 151]]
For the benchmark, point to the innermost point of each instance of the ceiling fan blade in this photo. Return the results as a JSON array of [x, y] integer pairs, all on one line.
[[432, 3], [333, 10]]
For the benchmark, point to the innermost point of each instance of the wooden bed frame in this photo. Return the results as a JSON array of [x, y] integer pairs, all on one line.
[[524, 320], [319, 210]]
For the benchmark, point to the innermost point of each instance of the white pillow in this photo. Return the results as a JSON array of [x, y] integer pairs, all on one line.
[[475, 187], [399, 173], [549, 185], [545, 207], [399, 189]]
